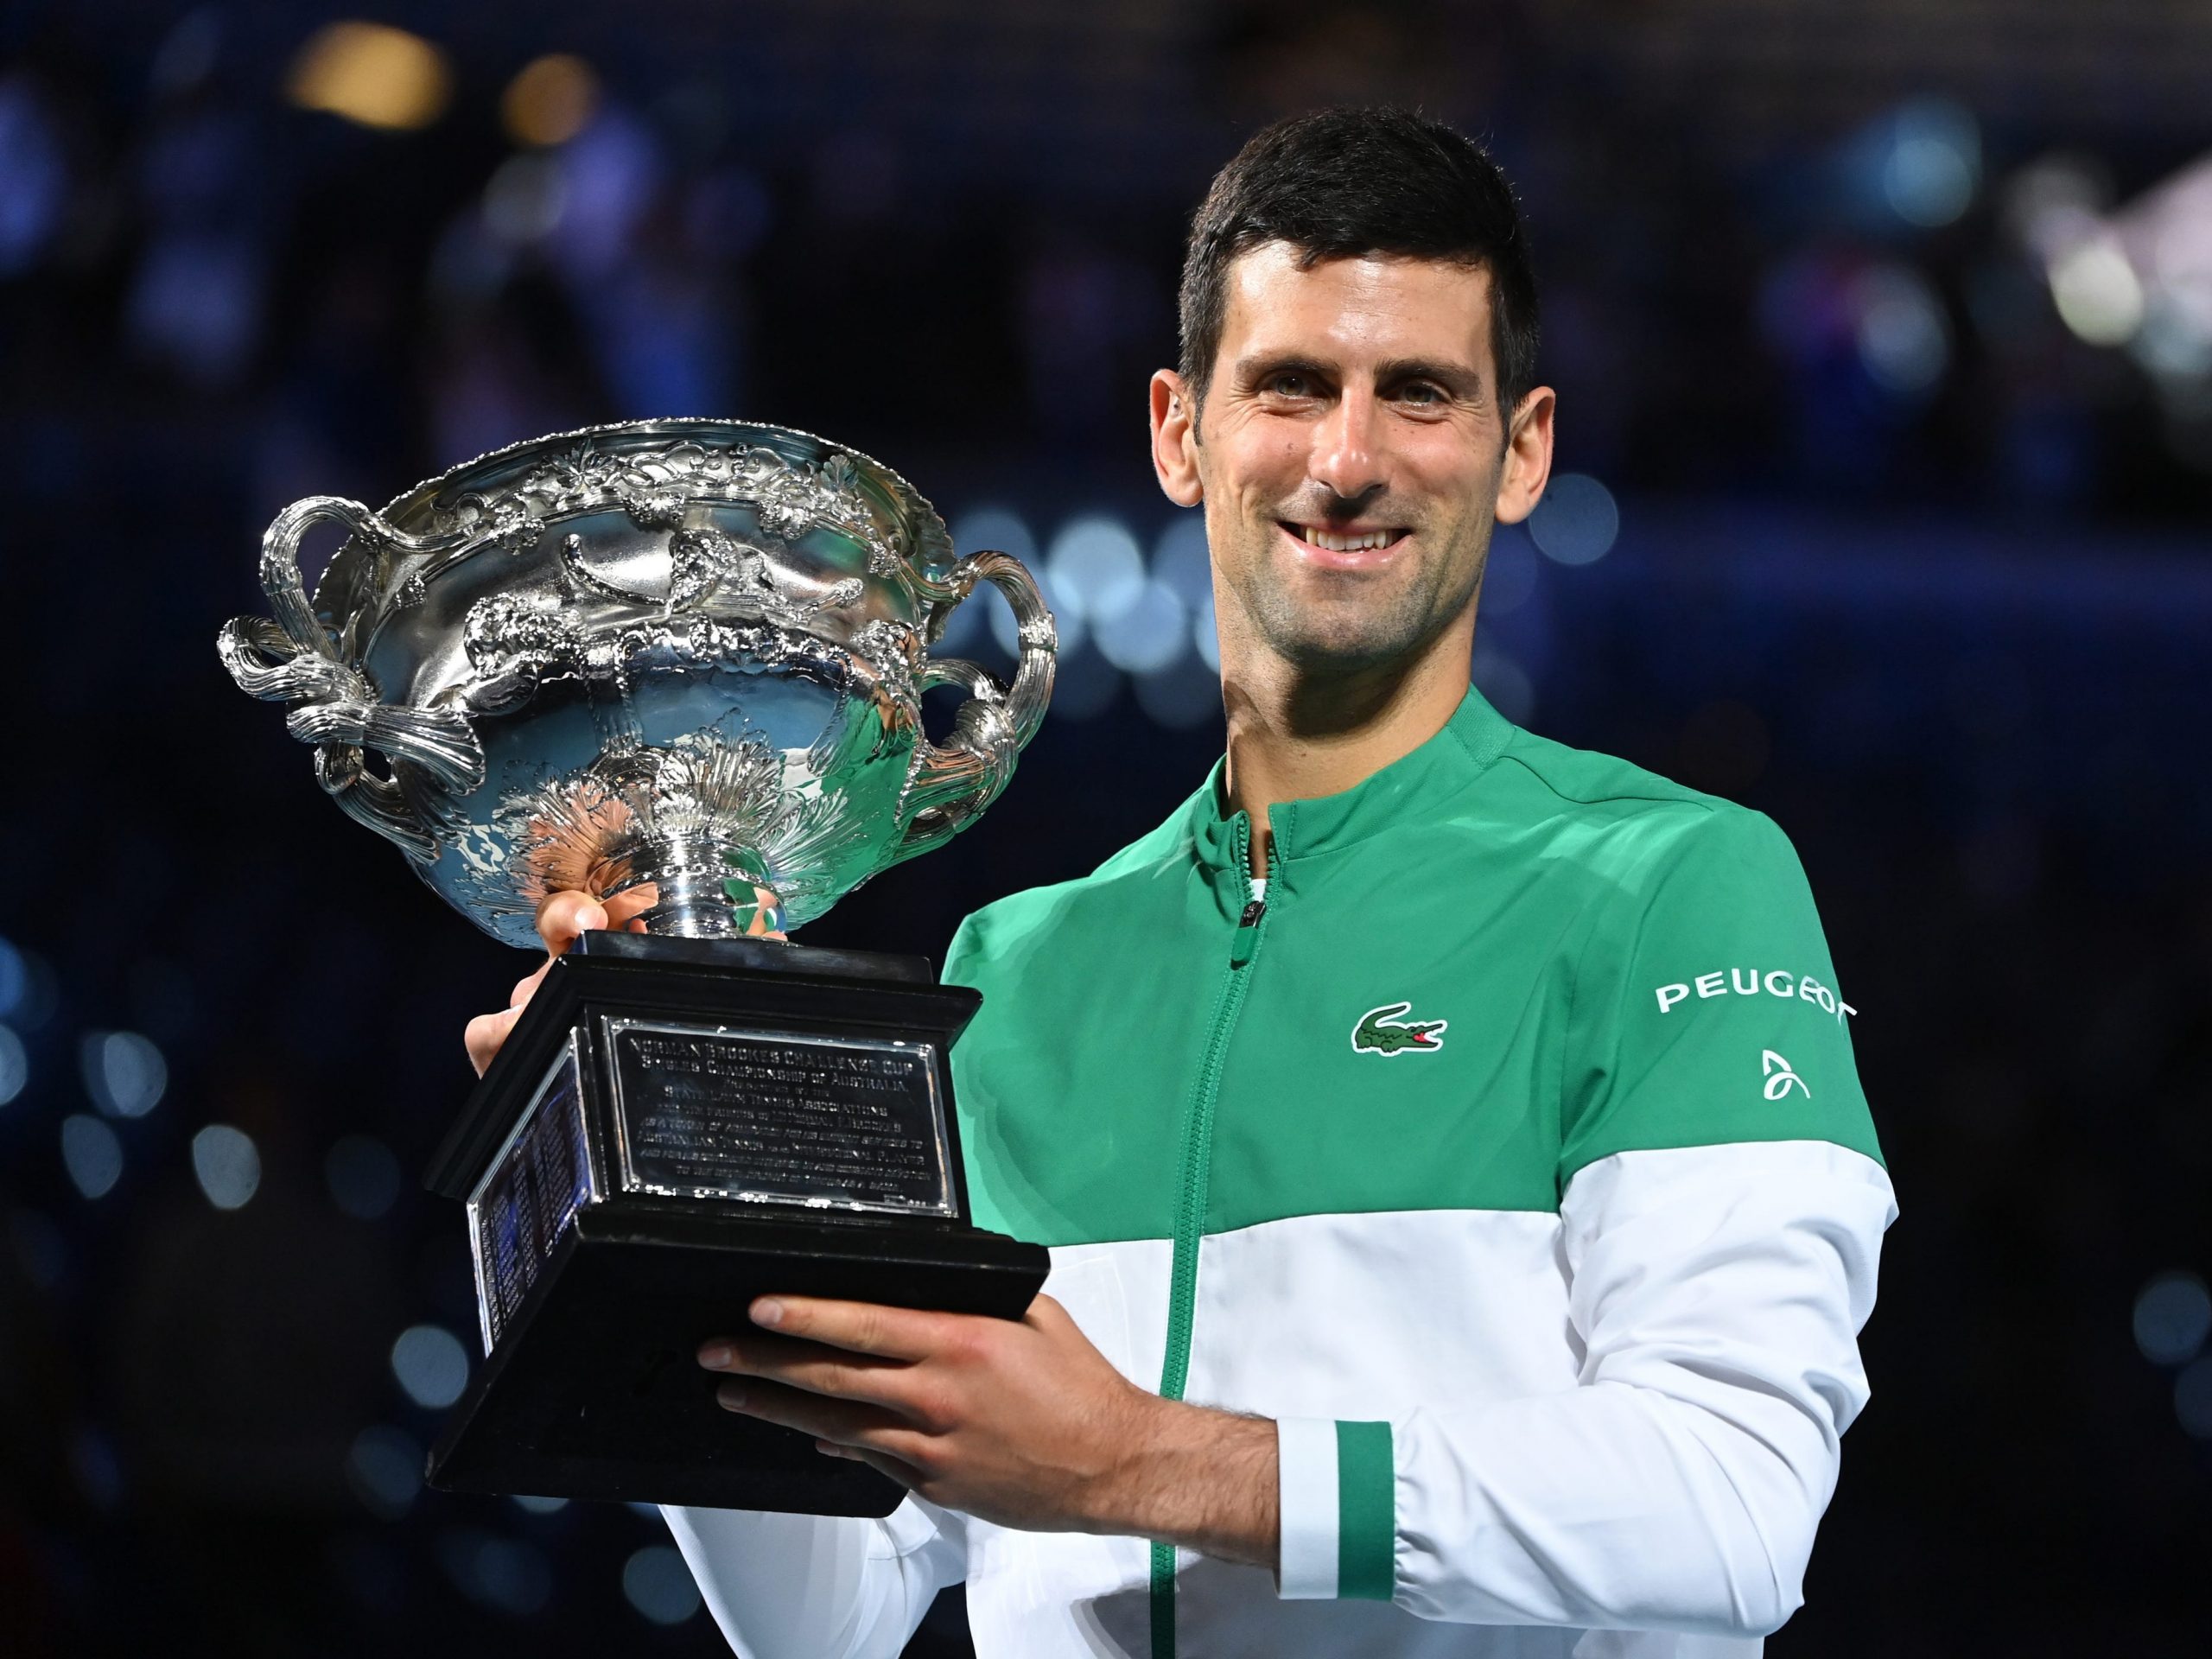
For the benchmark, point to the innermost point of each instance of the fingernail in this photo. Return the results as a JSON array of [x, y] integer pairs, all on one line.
[[768, 1311], [731, 1396], [591, 916], [716, 1356]]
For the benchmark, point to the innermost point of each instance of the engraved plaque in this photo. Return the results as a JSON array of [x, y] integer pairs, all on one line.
[[530, 1197], [851, 1122]]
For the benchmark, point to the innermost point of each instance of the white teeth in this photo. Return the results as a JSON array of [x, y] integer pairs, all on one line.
[[1322, 538]]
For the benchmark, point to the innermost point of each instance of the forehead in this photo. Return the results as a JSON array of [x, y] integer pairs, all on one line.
[[1375, 307]]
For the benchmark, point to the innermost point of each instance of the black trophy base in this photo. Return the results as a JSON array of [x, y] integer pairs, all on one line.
[[594, 1391], [615, 1160]]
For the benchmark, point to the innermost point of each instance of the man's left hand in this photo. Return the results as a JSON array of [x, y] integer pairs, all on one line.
[[1023, 1423]]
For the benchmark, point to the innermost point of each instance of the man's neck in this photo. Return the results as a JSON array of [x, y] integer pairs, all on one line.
[[1293, 735]]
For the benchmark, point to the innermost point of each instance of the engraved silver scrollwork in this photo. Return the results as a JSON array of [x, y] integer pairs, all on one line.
[[298, 660], [686, 655]]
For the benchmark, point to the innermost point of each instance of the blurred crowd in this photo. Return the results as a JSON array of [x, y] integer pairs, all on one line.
[[1884, 361]]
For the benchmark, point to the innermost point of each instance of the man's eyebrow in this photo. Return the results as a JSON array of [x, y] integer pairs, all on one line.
[[1260, 365]]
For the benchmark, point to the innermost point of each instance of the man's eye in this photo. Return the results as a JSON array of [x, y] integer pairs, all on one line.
[[1291, 385], [1421, 392]]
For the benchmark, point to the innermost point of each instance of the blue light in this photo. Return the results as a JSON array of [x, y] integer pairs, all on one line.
[[1150, 633], [659, 1586], [227, 1166], [14, 1065], [1095, 567], [15, 979], [1576, 521], [2173, 1315], [1179, 559], [1934, 164], [501, 1573], [125, 1073], [363, 1177], [91, 1153], [384, 1468], [431, 1365]]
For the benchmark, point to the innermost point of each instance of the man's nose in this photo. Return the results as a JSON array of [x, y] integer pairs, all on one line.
[[1348, 449]]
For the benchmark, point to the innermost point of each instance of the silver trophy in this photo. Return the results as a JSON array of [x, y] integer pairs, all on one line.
[[681, 658], [682, 653]]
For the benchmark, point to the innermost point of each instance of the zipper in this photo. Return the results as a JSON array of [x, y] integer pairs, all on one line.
[[1190, 1204]]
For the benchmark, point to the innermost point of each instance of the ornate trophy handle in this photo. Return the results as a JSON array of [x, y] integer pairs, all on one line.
[[953, 782], [295, 659]]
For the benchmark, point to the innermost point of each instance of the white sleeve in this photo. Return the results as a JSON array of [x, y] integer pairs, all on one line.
[[808, 1586], [1715, 1296]]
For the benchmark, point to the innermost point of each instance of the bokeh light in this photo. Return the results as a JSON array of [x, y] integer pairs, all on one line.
[[125, 1073], [550, 99], [384, 1468], [1577, 519], [1179, 559], [431, 1365], [1095, 567], [227, 1166], [2096, 290], [364, 1176], [504, 1574], [371, 74], [1148, 633], [1903, 338], [15, 979], [659, 1586], [14, 1065], [1934, 164], [525, 199], [29, 993], [1509, 572], [1505, 684], [2173, 1315], [92, 1154]]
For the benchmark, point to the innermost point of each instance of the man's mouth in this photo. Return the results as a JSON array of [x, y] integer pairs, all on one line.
[[1352, 538]]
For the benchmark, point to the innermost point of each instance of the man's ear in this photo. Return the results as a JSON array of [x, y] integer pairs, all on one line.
[[1175, 439], [1528, 457]]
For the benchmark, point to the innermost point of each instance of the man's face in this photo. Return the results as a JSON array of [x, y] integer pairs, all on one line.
[[1349, 453]]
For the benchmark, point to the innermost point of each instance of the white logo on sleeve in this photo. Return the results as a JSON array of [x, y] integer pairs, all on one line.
[[1779, 1075], [1753, 982]]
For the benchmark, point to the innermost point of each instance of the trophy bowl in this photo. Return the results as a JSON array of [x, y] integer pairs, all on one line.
[[681, 659], [686, 654]]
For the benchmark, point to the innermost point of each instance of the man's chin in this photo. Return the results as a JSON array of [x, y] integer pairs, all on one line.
[[1327, 652]]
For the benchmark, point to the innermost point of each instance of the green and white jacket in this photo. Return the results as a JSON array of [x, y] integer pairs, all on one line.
[[1507, 1152]]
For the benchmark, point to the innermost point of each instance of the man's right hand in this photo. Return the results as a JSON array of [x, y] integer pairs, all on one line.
[[561, 920]]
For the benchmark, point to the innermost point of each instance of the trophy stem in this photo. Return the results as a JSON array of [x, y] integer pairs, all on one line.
[[700, 888]]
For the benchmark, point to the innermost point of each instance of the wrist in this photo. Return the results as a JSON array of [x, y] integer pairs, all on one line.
[[1197, 1478]]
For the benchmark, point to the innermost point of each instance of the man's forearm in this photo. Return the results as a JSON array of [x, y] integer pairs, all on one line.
[[1199, 1479]]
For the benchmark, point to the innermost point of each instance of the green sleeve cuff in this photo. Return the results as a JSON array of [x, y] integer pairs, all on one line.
[[1367, 1513]]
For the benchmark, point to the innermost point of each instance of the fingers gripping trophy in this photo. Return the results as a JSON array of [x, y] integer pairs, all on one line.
[[677, 665]]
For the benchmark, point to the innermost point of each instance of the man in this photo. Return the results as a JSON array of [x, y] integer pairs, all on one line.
[[1461, 1200]]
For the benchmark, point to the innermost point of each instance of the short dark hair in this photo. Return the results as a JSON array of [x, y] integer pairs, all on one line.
[[1344, 182]]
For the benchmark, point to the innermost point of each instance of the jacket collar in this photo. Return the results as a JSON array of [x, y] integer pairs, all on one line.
[[1418, 786]]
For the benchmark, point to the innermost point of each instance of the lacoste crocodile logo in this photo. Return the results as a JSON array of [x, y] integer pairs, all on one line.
[[1382, 1030]]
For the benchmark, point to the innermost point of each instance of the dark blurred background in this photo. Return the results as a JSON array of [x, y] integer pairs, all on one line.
[[1882, 335]]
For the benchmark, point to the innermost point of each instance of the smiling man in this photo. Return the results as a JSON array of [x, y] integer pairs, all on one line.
[[1436, 1269]]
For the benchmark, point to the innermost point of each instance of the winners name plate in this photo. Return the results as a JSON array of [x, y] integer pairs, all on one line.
[[674, 1127]]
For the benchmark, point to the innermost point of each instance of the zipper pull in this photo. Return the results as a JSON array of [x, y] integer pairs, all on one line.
[[1247, 936]]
